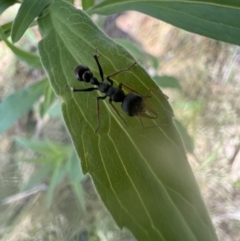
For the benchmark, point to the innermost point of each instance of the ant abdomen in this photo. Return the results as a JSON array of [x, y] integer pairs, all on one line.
[[83, 73], [133, 104]]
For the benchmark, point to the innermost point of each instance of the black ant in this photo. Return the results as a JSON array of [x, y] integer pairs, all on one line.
[[132, 103]]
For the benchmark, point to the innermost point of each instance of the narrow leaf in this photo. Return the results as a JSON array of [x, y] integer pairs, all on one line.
[[141, 174], [49, 98], [75, 171], [57, 177], [39, 160], [45, 147], [55, 110], [86, 4], [76, 176], [210, 159], [38, 176], [138, 53], [79, 193], [4, 4], [187, 139], [31, 59], [17, 104], [39, 146], [28, 11], [217, 19], [167, 82], [6, 29]]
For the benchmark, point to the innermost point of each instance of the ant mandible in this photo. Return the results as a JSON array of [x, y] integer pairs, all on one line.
[[132, 103]]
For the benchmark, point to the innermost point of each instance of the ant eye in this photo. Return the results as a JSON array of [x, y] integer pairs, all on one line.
[[80, 71]]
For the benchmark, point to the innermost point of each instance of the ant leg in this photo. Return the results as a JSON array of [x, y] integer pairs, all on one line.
[[128, 88], [99, 98], [117, 72], [110, 80], [121, 70], [140, 119], [81, 90], [110, 102], [96, 55], [145, 115], [150, 110], [153, 90], [144, 96]]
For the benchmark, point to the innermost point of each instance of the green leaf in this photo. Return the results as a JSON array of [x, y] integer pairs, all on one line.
[[217, 19], [87, 4], [31, 59], [187, 139], [167, 82], [4, 4], [28, 11], [74, 169], [75, 176], [237, 184], [55, 110], [45, 147], [39, 160], [58, 175], [49, 98], [38, 176], [57, 161], [17, 104], [211, 158], [141, 174], [138, 53], [6, 29], [39, 146], [79, 193]]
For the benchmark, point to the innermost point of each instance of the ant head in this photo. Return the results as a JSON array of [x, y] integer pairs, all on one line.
[[83, 73]]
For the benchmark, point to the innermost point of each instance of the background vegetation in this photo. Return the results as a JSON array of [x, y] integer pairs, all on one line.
[[205, 98]]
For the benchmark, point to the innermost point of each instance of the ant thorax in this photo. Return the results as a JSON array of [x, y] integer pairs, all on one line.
[[103, 86], [115, 94]]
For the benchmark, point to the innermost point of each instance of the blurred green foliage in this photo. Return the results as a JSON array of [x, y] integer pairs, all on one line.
[[57, 160]]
